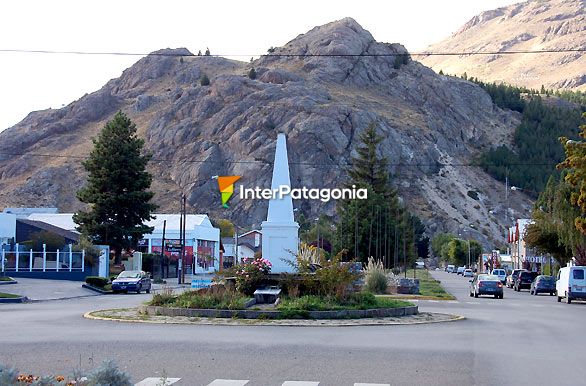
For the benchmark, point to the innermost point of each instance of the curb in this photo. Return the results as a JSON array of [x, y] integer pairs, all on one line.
[[8, 282], [22, 299], [260, 322], [96, 289], [275, 314]]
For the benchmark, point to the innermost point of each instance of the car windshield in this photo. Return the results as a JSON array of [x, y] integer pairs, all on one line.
[[129, 275], [546, 279], [488, 278]]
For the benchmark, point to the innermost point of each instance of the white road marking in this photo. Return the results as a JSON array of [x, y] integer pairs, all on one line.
[[228, 382], [153, 381], [372, 384], [299, 383]]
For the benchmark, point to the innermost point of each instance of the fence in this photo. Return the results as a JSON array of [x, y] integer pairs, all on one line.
[[31, 261]]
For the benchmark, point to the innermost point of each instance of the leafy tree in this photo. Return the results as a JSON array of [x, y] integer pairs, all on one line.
[[117, 188], [199, 53], [457, 251], [575, 163], [226, 227], [439, 241], [207, 53], [204, 80]]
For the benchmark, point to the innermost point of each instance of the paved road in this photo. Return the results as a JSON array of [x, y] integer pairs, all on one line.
[[520, 340]]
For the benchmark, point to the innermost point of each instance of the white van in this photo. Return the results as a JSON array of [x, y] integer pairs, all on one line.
[[451, 268], [571, 283]]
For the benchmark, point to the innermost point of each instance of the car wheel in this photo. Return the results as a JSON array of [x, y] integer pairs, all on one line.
[[148, 291], [568, 300], [496, 296], [530, 292], [138, 289], [475, 294], [502, 295], [471, 294], [551, 294], [559, 299]]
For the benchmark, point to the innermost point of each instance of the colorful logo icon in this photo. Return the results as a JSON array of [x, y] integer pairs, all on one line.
[[226, 185]]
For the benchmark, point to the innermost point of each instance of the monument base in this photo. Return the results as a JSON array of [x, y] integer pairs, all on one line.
[[280, 244]]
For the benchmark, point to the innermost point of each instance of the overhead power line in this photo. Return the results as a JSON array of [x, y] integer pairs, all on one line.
[[286, 55], [264, 162]]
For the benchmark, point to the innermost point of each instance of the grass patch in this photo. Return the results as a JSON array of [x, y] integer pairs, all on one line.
[[6, 278], [193, 299], [428, 286], [359, 301], [8, 296]]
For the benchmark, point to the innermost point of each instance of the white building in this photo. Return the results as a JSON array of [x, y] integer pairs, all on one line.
[[202, 239]]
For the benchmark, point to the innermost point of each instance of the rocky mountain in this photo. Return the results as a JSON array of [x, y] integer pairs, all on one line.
[[528, 26], [433, 125]]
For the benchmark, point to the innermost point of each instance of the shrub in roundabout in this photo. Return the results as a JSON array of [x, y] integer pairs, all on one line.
[[250, 274]]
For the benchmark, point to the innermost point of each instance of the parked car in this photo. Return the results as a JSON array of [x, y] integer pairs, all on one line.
[[501, 273], [511, 278], [460, 270], [468, 273], [486, 285], [132, 281], [571, 283], [541, 284], [451, 268], [524, 280]]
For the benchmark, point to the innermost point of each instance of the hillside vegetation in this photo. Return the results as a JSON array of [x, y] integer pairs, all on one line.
[[546, 116]]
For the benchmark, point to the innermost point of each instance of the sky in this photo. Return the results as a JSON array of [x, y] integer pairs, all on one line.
[[237, 29]]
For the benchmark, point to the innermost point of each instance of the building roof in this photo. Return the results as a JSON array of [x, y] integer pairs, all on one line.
[[173, 221], [252, 231], [60, 220], [74, 236], [65, 220]]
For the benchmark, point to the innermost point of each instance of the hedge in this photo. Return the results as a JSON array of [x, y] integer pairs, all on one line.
[[97, 281]]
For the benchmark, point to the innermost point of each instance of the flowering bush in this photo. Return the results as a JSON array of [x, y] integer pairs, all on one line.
[[107, 374], [250, 274]]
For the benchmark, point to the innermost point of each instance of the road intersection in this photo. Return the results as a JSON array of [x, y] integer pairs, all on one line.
[[520, 334]]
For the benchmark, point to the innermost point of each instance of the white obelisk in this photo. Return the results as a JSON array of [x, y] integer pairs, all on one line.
[[280, 233]]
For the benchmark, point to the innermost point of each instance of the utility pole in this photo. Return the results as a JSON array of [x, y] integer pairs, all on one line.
[[163, 249], [182, 227], [468, 253], [184, 241]]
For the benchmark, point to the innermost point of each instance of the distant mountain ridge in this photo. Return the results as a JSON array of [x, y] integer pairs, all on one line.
[[528, 26], [433, 126]]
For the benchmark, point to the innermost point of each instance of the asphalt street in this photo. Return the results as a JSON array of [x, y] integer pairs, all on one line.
[[519, 340]]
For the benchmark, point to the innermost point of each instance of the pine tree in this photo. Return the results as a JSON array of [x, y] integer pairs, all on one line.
[[117, 188], [378, 226], [204, 80], [252, 73]]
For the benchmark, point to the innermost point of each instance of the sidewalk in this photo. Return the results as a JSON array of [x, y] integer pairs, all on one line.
[[43, 289]]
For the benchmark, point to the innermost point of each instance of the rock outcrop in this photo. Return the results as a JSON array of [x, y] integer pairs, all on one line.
[[530, 26], [322, 90]]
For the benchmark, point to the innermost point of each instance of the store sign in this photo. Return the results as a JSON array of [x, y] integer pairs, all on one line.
[[538, 259]]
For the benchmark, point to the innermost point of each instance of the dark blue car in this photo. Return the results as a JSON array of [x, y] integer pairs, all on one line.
[[543, 284], [134, 281]]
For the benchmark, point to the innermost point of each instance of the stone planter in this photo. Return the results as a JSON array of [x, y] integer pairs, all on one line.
[[270, 314]]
